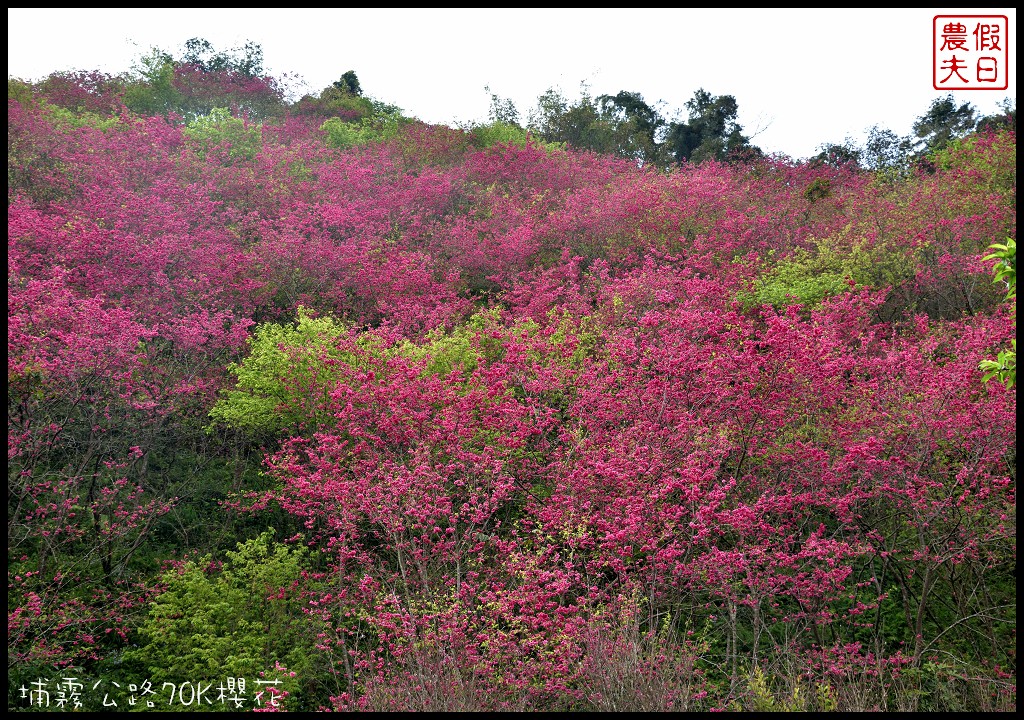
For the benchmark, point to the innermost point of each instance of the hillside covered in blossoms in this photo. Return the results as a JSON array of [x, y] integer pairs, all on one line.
[[412, 417]]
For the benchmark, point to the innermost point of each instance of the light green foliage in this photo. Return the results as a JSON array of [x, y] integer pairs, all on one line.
[[804, 279], [481, 340], [762, 699], [19, 90], [242, 139], [237, 621], [500, 133], [152, 90], [339, 100], [581, 333], [946, 158], [503, 133], [1005, 268], [287, 377], [285, 383], [286, 380], [342, 134], [443, 352], [377, 121], [1004, 367], [808, 277], [65, 119]]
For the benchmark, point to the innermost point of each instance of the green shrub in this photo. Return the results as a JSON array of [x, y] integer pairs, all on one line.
[[237, 620], [833, 266], [379, 127], [286, 379], [242, 140]]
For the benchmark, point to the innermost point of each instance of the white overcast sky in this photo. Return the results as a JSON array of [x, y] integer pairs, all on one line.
[[801, 77]]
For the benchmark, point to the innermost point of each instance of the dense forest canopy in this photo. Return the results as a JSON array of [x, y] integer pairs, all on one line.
[[317, 406]]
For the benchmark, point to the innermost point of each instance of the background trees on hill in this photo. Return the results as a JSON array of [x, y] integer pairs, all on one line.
[[349, 82], [1004, 119], [246, 60], [944, 122], [712, 132], [941, 125], [625, 125], [638, 126], [200, 79]]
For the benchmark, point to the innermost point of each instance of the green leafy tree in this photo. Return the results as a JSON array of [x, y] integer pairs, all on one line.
[[944, 122], [831, 266], [284, 380], [152, 92], [501, 133], [246, 60], [1004, 367], [839, 154], [621, 124], [887, 153], [1005, 120], [712, 131], [580, 125], [339, 102], [219, 129], [637, 122], [372, 128], [502, 110], [503, 127], [237, 619], [349, 83], [344, 99]]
